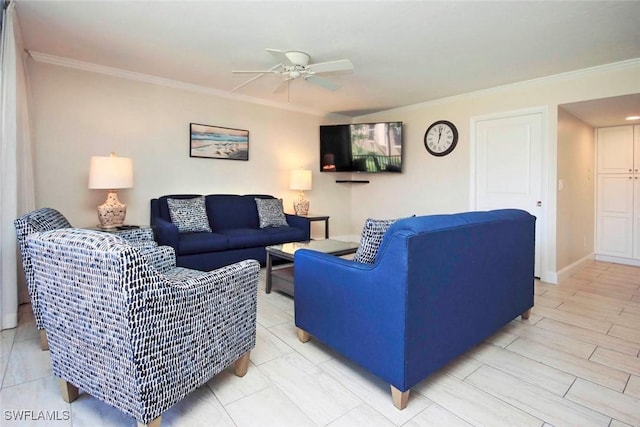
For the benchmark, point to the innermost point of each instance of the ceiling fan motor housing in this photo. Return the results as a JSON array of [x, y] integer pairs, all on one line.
[[294, 64], [298, 58]]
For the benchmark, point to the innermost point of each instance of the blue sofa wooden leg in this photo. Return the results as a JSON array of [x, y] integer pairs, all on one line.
[[526, 314], [303, 336], [400, 398]]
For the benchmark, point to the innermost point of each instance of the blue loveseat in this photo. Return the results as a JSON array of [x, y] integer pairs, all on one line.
[[439, 285], [236, 234]]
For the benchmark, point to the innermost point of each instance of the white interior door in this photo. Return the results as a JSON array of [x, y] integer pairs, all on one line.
[[507, 157]]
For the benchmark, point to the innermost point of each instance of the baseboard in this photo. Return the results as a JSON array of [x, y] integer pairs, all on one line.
[[549, 277], [569, 270], [9, 320], [618, 260]]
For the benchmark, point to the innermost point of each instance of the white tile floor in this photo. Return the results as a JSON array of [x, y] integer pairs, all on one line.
[[575, 362]]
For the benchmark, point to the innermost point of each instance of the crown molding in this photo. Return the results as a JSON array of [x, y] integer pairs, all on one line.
[[175, 84], [161, 81], [615, 66]]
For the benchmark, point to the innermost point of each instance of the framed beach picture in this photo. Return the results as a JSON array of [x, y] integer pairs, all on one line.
[[215, 142]]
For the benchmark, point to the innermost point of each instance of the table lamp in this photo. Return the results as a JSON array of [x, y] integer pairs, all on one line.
[[300, 181], [111, 173]]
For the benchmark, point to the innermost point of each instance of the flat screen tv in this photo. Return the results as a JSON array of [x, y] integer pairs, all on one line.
[[363, 147]]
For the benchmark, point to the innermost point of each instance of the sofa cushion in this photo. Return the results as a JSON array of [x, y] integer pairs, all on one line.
[[271, 213], [279, 235], [231, 211], [370, 239], [189, 215], [196, 243], [246, 238]]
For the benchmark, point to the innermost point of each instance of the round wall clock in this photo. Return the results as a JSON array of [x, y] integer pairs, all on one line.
[[441, 138]]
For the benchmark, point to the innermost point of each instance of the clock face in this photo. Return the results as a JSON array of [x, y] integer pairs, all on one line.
[[441, 138]]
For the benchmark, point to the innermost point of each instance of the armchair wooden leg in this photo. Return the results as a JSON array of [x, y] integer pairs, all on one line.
[[303, 336], [44, 342], [242, 365], [526, 314], [154, 423], [400, 398], [69, 391]]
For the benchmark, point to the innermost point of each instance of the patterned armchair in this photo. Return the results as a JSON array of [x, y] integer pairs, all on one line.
[[131, 336], [45, 219]]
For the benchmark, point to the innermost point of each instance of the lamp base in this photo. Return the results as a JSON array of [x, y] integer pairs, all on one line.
[[301, 206], [112, 212]]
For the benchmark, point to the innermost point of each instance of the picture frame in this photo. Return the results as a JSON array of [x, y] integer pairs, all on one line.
[[216, 142]]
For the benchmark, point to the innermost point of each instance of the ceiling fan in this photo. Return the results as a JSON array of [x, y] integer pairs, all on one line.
[[293, 65]]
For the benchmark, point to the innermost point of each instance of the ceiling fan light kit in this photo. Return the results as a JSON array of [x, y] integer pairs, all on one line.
[[295, 64], [294, 74]]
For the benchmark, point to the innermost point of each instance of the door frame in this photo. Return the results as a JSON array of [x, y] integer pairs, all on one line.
[[546, 221]]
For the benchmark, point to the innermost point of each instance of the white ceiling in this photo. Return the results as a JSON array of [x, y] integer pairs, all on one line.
[[404, 52], [606, 111]]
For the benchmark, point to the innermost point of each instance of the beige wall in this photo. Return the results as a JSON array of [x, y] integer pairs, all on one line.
[[576, 189], [78, 114], [441, 184]]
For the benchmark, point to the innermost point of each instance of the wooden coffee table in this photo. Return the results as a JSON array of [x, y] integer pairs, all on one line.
[[281, 278]]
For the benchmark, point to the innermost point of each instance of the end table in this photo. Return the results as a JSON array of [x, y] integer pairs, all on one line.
[[324, 218]]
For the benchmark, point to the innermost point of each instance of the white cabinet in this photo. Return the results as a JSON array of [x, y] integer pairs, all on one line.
[[615, 150], [636, 213], [618, 192], [615, 215]]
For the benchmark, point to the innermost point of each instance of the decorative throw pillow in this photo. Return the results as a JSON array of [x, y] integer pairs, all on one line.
[[271, 213], [370, 239], [189, 215]]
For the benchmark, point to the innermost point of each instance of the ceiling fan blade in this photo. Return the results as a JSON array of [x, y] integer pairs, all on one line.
[[241, 85], [327, 84], [273, 69], [255, 71], [280, 57], [260, 74], [329, 66]]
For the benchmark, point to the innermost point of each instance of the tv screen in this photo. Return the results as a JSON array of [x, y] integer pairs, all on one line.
[[363, 147]]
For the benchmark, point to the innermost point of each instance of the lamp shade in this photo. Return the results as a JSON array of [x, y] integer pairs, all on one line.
[[110, 172], [300, 180]]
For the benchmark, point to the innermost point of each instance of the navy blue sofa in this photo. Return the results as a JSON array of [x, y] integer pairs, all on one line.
[[439, 285], [236, 234]]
